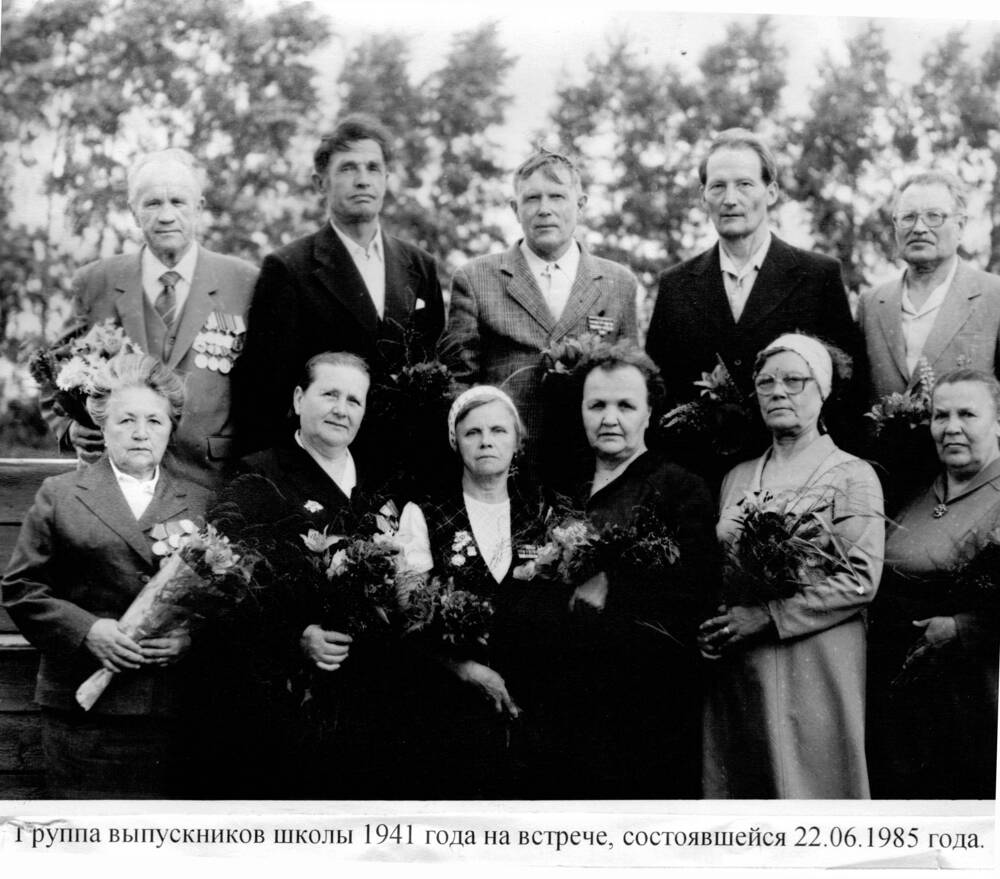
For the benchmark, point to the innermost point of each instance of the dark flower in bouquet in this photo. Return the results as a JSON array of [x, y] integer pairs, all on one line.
[[441, 611], [202, 576], [576, 549], [784, 544], [901, 413], [720, 417], [70, 365], [571, 356]]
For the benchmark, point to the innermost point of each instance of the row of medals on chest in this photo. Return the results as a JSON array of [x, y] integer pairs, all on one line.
[[220, 342]]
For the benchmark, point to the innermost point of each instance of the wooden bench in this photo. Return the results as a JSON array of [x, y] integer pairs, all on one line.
[[20, 740]]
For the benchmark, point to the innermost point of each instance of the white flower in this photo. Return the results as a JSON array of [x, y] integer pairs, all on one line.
[[319, 541], [338, 563], [525, 571], [461, 541], [313, 506], [458, 560]]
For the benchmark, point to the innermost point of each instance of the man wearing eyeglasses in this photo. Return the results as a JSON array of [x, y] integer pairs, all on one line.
[[942, 311]]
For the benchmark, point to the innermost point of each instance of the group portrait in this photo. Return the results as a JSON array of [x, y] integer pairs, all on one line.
[[627, 432]]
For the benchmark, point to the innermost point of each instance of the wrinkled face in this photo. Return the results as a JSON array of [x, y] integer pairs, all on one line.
[[547, 210], [616, 412], [486, 439], [166, 202], [354, 183], [964, 427], [921, 243], [332, 408], [137, 430], [785, 412], [735, 194]]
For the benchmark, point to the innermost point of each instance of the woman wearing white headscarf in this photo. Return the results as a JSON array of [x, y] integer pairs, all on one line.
[[785, 711]]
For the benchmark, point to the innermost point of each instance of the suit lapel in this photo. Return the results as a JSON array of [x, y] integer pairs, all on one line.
[[337, 272], [777, 278], [130, 303], [170, 501], [522, 288], [955, 311], [400, 300], [584, 293], [197, 306], [97, 489], [709, 293], [889, 311]]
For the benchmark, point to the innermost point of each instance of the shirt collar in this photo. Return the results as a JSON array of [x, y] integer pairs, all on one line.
[[374, 247], [153, 267], [568, 262], [147, 485], [937, 294], [754, 263]]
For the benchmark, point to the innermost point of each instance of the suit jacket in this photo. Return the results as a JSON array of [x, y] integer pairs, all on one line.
[[966, 330], [81, 556], [112, 288], [311, 298], [499, 323], [692, 320]]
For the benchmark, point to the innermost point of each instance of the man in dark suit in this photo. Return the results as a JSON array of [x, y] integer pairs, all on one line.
[[733, 299], [347, 287], [506, 308], [176, 300]]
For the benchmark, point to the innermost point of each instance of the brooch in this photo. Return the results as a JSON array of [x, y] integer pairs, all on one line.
[[939, 511]]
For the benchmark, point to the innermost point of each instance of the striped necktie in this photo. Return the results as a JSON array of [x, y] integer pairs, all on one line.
[[166, 302]]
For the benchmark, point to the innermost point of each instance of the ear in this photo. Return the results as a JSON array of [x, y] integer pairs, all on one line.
[[297, 399], [513, 207], [581, 201], [319, 182], [772, 193]]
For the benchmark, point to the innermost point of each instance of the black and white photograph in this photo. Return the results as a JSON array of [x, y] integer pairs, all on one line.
[[503, 435]]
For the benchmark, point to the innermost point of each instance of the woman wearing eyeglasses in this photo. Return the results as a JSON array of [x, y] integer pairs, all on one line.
[[784, 713]]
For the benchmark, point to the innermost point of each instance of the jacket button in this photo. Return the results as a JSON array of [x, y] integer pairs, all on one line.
[[737, 363]]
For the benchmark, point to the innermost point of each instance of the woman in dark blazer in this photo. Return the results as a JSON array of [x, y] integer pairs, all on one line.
[[84, 553], [348, 739]]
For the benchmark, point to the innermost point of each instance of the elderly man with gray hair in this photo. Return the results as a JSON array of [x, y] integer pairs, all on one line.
[[942, 311], [506, 308], [177, 301]]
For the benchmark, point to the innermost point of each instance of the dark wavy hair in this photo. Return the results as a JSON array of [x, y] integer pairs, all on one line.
[[624, 353], [350, 129]]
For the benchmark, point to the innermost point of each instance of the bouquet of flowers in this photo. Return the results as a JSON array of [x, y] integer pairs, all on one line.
[[907, 411], [70, 365], [974, 583], [443, 611], [568, 357], [201, 574], [784, 544], [362, 585], [576, 549], [719, 416]]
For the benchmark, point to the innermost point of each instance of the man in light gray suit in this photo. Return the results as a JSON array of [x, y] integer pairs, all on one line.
[[942, 311], [176, 300], [506, 308]]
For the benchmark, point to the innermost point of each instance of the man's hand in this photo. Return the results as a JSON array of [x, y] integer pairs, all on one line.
[[88, 443], [327, 649], [115, 650]]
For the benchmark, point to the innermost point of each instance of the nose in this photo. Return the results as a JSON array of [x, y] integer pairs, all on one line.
[[953, 426], [139, 429], [920, 224], [730, 194]]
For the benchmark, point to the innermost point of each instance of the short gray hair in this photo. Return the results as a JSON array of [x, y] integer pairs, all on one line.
[[134, 370], [933, 177], [173, 155], [550, 163], [741, 139]]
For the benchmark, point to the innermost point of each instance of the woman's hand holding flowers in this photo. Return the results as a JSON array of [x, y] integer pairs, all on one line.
[[115, 650], [734, 627], [166, 649], [326, 649]]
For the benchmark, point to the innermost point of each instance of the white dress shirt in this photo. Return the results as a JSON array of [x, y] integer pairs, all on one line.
[[739, 281], [138, 492], [370, 261], [917, 323], [554, 278], [491, 528], [152, 269], [346, 479]]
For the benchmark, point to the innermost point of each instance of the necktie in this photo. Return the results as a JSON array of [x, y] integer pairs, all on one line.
[[166, 302]]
